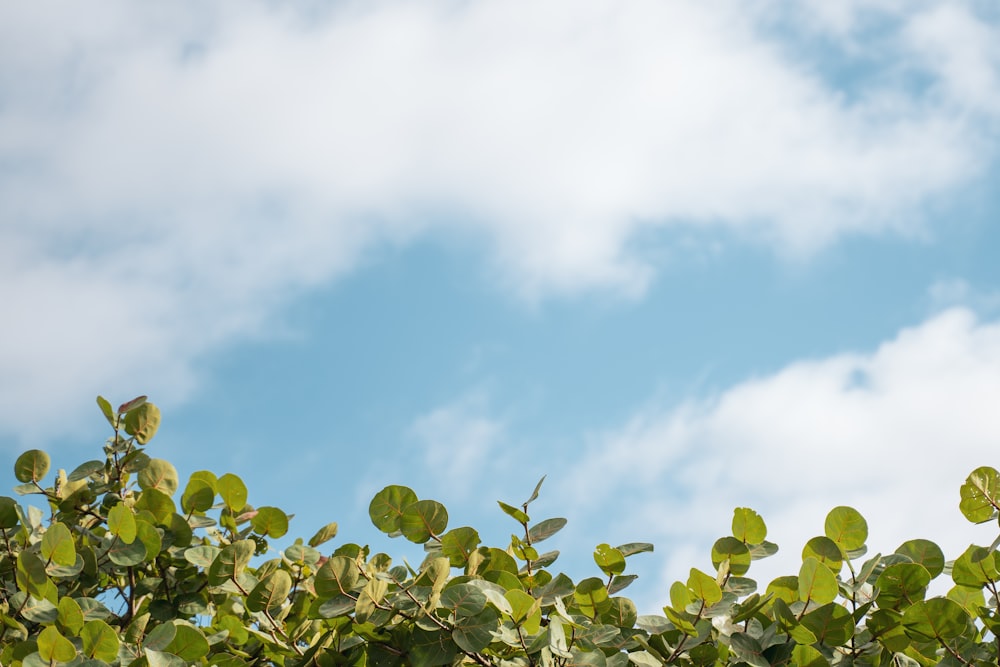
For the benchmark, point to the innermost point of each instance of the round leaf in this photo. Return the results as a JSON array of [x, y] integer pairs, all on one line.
[[935, 619], [826, 551], [422, 520], [121, 522], [733, 550], [924, 552], [100, 641], [233, 492], [387, 507], [337, 576], [31, 466], [159, 474], [142, 422], [270, 521], [816, 582], [271, 592], [52, 646], [610, 560], [57, 545], [748, 526], [846, 527]]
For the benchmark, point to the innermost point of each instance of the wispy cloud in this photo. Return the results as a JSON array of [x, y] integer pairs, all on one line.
[[171, 175], [892, 432], [456, 442]]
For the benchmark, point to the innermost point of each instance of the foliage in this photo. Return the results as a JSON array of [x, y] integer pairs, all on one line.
[[126, 567]]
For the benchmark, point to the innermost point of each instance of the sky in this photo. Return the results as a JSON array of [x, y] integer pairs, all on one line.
[[678, 256]]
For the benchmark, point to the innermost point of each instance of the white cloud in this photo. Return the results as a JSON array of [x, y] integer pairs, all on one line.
[[893, 433], [171, 174], [456, 442]]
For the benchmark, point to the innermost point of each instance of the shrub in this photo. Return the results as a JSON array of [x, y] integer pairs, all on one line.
[[120, 570]]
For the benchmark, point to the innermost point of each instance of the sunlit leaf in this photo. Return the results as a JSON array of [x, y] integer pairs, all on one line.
[[324, 534], [816, 582], [270, 521], [58, 546], [978, 494], [422, 520], [233, 492], [121, 523], [31, 466], [142, 422], [159, 474], [748, 526], [937, 618]]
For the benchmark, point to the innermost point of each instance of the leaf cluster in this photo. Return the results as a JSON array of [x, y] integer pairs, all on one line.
[[125, 566]]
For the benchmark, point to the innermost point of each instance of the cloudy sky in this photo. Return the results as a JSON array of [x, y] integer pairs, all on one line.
[[678, 255]]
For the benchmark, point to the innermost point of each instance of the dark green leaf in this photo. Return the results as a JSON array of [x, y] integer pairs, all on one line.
[[935, 619], [338, 575], [387, 507]]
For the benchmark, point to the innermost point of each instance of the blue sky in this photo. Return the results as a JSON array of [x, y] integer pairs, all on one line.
[[678, 256]]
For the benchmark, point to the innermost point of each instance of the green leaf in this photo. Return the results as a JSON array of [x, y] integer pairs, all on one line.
[[199, 496], [632, 548], [271, 592], [610, 560], [189, 643], [935, 619], [901, 584], [142, 421], [846, 527], [474, 633], [925, 553], [159, 504], [324, 534], [127, 555], [231, 562], [159, 474], [534, 494], [978, 494], [106, 410], [58, 546], [270, 521], [463, 599], [422, 520], [514, 512], [100, 641], [732, 550], [816, 582], [70, 617], [150, 538], [543, 530], [832, 624], [748, 649], [431, 647], [458, 544], [163, 659], [704, 587], [975, 567], [121, 523], [31, 466], [52, 646], [338, 575], [387, 507], [807, 656], [31, 576], [8, 513], [826, 551], [591, 596], [233, 492], [86, 470], [748, 526]]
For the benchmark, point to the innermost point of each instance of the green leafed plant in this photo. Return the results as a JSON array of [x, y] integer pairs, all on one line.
[[118, 569]]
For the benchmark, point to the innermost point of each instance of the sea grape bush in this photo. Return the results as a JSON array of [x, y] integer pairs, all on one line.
[[123, 566]]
